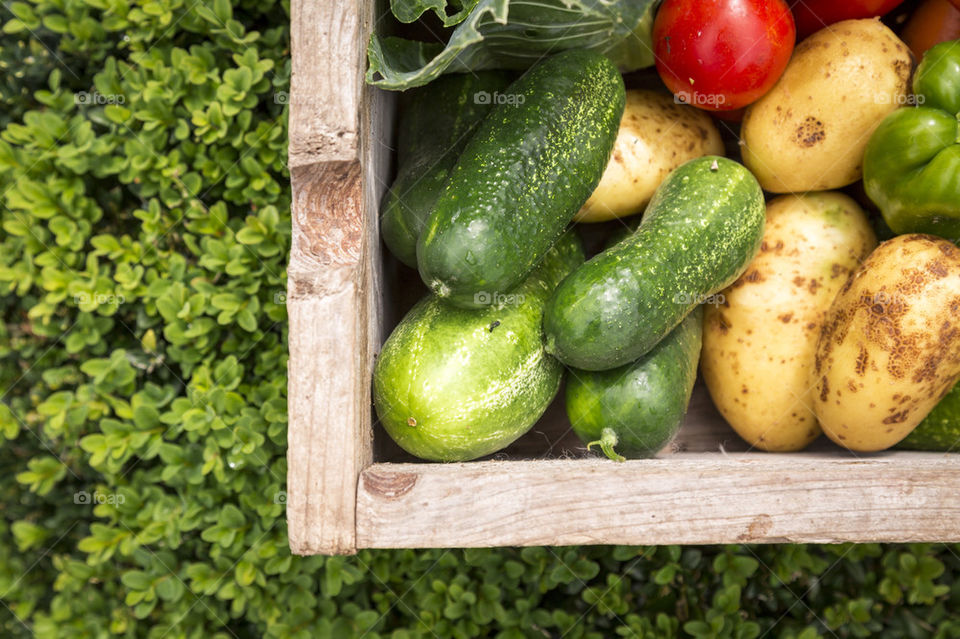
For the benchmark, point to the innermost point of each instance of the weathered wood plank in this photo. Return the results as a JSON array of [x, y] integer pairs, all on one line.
[[339, 155], [686, 498], [329, 280], [328, 44]]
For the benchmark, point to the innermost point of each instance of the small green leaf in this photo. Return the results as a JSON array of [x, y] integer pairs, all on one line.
[[28, 535], [170, 588], [245, 573], [56, 23], [223, 10], [231, 517], [136, 580]]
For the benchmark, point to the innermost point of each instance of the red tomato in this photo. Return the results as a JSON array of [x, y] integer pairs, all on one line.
[[720, 55], [813, 15], [933, 22]]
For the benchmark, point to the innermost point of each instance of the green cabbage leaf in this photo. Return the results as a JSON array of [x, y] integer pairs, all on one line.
[[509, 34]]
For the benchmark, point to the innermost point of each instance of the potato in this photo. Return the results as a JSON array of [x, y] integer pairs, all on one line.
[[759, 343], [890, 346], [656, 136], [809, 132]]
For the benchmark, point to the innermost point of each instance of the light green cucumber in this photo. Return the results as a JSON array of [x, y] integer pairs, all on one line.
[[454, 384]]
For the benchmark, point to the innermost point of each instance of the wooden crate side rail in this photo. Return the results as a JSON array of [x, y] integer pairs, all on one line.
[[696, 498], [328, 43], [339, 159], [329, 438]]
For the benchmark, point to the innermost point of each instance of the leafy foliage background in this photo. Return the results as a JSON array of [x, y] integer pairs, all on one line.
[[145, 227]]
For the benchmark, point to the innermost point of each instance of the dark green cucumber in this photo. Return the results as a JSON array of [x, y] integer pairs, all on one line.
[[435, 124], [530, 166], [699, 233], [635, 410], [453, 384], [940, 430]]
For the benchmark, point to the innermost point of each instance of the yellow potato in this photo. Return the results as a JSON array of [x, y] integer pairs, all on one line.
[[809, 132], [759, 343], [890, 347], [656, 136]]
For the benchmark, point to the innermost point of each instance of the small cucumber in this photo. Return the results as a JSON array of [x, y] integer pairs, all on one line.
[[700, 231], [453, 384], [435, 124], [530, 166], [635, 410], [940, 430]]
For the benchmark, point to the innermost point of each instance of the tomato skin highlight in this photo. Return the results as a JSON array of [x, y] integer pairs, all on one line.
[[721, 55], [813, 15]]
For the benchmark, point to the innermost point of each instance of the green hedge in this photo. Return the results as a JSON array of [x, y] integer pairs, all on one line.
[[145, 227]]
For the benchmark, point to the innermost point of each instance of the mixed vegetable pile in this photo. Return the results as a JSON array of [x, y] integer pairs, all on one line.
[[779, 195]]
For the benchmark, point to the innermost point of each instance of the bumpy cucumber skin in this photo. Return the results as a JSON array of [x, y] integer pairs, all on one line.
[[699, 233], [453, 384], [530, 166], [940, 430], [435, 125], [644, 402]]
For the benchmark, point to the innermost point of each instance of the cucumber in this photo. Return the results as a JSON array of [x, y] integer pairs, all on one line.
[[530, 166], [635, 410], [436, 123], [453, 384], [940, 430], [700, 231]]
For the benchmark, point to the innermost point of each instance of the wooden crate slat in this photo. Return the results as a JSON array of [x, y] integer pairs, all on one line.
[[328, 282], [328, 46], [695, 498], [334, 296]]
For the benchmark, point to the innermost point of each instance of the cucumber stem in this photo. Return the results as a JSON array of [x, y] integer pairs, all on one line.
[[549, 345], [608, 439]]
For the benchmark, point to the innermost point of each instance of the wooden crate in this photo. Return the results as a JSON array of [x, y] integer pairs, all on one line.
[[349, 487]]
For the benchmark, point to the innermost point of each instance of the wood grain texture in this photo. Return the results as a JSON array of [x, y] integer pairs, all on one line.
[[339, 157], [328, 45], [329, 279], [686, 498]]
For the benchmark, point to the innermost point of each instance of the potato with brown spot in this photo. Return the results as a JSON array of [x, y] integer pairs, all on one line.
[[656, 136], [894, 336], [764, 338], [809, 132]]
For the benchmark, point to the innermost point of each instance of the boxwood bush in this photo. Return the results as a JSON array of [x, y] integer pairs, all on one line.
[[145, 228]]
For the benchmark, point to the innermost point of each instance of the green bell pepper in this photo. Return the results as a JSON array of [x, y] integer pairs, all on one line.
[[911, 166]]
